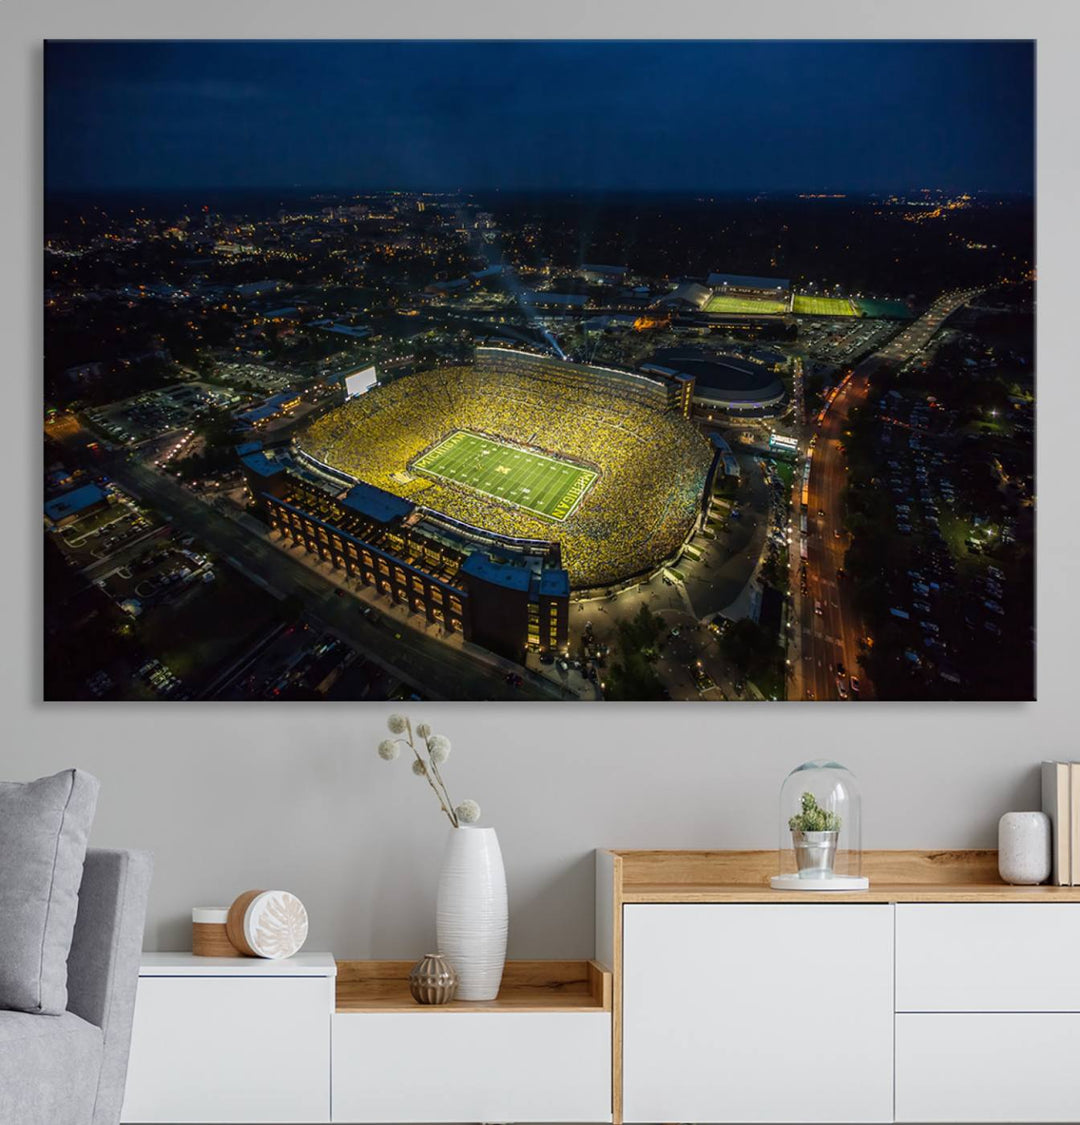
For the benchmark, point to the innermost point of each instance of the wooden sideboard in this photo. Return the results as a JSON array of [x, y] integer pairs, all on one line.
[[939, 994]]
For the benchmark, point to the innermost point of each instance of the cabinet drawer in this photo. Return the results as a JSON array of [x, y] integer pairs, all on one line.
[[980, 1066], [472, 1066], [988, 957], [230, 1049]]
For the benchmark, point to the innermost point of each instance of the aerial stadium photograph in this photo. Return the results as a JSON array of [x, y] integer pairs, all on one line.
[[513, 388]]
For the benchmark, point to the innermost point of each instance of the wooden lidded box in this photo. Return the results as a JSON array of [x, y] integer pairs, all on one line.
[[208, 933]]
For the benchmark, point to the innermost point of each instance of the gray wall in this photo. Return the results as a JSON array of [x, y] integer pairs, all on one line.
[[236, 797]]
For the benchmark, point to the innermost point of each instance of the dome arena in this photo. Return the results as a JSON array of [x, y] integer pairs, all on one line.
[[726, 383], [528, 447]]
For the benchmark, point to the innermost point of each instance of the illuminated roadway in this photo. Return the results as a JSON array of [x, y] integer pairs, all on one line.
[[833, 636]]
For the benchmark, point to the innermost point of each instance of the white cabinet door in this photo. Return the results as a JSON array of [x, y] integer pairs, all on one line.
[[230, 1049], [472, 1066], [988, 1066], [988, 957], [758, 1013]]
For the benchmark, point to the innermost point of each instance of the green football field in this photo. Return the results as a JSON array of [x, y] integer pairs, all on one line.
[[543, 485], [823, 306], [760, 305]]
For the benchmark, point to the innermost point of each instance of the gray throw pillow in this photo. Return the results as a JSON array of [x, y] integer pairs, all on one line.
[[44, 826]]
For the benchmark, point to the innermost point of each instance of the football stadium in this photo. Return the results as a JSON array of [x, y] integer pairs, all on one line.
[[528, 448]]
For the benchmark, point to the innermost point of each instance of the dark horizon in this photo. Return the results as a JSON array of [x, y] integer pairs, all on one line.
[[540, 117], [313, 190]]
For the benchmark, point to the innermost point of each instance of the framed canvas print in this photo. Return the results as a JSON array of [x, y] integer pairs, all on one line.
[[539, 370]]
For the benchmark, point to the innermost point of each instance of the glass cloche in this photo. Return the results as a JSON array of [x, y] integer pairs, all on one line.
[[820, 830]]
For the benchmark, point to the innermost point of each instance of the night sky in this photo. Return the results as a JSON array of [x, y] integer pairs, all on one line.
[[658, 116]]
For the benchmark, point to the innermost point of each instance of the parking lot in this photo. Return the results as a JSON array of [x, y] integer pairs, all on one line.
[[843, 341], [945, 596], [247, 374], [99, 535], [157, 412]]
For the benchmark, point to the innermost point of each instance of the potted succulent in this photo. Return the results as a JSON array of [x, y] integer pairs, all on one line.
[[814, 835]]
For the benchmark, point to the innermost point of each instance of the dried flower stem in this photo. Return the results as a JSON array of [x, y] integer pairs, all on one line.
[[446, 793], [444, 798]]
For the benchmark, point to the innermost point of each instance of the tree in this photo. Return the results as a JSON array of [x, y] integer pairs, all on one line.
[[632, 675], [749, 647]]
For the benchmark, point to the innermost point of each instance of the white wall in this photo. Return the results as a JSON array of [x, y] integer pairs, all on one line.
[[232, 797]]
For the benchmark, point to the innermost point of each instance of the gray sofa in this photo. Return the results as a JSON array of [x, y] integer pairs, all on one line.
[[70, 1069]]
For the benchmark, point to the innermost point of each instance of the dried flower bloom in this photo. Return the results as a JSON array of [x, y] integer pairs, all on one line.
[[388, 750], [468, 812], [419, 768], [397, 723], [439, 748], [423, 729]]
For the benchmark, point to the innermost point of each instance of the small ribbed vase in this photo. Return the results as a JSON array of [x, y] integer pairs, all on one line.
[[470, 913], [433, 980]]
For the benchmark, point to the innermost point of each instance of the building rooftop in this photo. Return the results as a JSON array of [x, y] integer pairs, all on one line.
[[262, 464], [734, 378], [746, 281], [383, 507], [77, 500], [287, 395], [555, 582], [690, 292], [257, 414], [512, 576]]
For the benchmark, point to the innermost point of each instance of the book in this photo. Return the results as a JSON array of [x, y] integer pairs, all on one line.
[[1074, 819], [1055, 803]]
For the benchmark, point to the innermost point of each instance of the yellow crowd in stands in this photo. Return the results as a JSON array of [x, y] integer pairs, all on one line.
[[652, 462]]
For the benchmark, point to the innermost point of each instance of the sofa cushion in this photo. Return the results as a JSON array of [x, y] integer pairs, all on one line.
[[44, 826], [49, 1068]]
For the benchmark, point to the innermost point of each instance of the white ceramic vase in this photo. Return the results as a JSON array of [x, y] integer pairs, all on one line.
[[470, 914], [1024, 840]]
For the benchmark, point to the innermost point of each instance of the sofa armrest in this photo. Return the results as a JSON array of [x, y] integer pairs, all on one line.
[[103, 966]]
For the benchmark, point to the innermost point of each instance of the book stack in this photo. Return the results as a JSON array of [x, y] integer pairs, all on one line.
[[1061, 803]]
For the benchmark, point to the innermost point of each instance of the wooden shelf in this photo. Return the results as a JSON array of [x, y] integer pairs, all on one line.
[[878, 892], [527, 986], [895, 876]]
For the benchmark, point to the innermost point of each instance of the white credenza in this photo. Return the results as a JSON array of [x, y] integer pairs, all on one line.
[[231, 1040], [918, 1001]]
